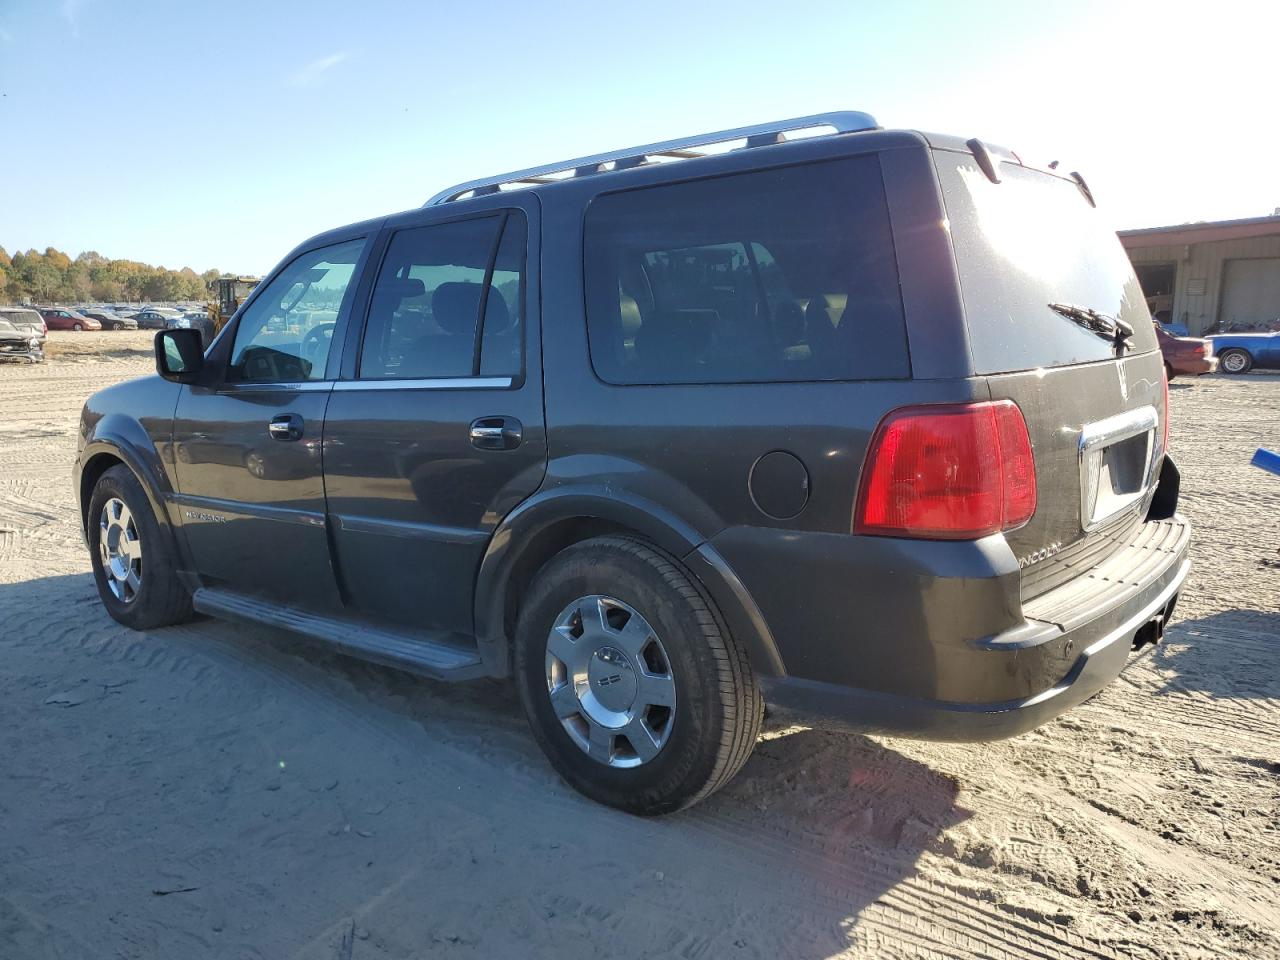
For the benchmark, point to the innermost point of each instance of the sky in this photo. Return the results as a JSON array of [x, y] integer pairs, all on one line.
[[221, 135]]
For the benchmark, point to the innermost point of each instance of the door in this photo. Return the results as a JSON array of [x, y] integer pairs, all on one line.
[[1251, 293], [437, 431], [248, 446]]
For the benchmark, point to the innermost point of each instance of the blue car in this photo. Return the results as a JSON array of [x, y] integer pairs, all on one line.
[[1241, 352]]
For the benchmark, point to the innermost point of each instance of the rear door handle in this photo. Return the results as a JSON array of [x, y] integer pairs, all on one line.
[[287, 426], [496, 433]]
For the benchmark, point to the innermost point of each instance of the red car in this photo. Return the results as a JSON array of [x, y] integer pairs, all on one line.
[[1187, 355], [61, 318]]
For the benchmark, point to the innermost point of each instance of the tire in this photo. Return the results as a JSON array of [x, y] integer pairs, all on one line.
[[716, 709], [158, 598], [1168, 372], [1235, 361], [77, 328]]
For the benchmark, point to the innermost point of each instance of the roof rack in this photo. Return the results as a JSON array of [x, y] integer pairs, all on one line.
[[763, 134]]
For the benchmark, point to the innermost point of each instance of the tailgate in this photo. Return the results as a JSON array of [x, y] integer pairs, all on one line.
[[1057, 323], [1096, 438]]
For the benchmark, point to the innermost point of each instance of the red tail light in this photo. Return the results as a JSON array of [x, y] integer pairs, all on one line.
[[955, 472]]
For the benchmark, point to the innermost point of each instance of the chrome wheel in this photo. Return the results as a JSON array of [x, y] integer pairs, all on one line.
[[610, 681], [120, 550], [1234, 362]]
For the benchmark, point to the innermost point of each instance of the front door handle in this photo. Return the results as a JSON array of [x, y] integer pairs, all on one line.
[[287, 426], [496, 433]]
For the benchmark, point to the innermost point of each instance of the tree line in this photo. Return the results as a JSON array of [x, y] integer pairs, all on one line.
[[53, 277]]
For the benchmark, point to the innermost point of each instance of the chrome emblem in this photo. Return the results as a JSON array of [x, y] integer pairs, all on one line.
[[1044, 553]]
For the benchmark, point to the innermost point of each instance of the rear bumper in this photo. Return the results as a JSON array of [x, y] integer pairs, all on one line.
[[1092, 628], [1194, 366]]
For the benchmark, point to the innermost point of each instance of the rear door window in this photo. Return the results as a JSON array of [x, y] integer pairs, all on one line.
[[774, 275], [1027, 242]]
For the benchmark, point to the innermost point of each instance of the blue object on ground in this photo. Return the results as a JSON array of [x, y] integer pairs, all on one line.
[[1268, 460]]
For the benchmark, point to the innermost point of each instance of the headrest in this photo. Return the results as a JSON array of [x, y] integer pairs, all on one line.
[[455, 306], [400, 288]]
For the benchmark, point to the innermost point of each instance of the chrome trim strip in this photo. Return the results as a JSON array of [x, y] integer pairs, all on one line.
[[410, 530], [301, 386], [1103, 433], [239, 510], [437, 383]]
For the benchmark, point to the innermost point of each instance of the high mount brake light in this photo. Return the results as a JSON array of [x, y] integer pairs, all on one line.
[[953, 472]]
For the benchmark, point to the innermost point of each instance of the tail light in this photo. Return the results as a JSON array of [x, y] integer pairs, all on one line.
[[955, 472], [1164, 414]]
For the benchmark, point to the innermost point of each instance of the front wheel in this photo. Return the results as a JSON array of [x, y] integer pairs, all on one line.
[[634, 689], [77, 327], [133, 561], [1235, 361]]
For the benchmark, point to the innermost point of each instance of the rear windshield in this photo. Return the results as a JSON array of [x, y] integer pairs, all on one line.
[[773, 275], [1024, 243], [21, 316]]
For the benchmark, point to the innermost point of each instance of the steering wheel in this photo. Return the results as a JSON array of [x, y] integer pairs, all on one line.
[[317, 337]]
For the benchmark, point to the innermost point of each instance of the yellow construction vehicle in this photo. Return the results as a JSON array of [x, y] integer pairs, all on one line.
[[227, 295]]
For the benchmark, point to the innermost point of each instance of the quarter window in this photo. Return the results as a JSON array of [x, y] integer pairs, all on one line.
[[774, 275], [425, 310], [285, 335]]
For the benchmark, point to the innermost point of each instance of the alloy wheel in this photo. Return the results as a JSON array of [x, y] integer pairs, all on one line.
[[120, 550], [610, 681]]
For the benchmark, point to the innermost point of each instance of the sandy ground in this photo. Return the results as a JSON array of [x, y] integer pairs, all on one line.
[[215, 791]]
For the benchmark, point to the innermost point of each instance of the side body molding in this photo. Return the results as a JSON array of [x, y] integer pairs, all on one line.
[[555, 517]]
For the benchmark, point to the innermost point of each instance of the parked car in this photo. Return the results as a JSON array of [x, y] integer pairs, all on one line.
[[110, 320], [811, 423], [1186, 355], [64, 318], [151, 319], [22, 334], [1241, 352]]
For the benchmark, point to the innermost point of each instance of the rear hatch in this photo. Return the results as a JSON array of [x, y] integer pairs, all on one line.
[[1046, 286]]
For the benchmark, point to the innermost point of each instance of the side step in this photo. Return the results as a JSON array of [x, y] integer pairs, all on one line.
[[438, 655]]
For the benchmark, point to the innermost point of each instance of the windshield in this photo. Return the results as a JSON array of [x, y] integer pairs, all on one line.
[[1035, 260]]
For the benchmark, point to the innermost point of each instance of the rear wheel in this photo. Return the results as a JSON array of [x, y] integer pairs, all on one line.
[[1168, 371], [1235, 361], [133, 561], [633, 687]]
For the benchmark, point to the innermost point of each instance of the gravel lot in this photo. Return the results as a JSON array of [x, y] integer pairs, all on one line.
[[216, 791]]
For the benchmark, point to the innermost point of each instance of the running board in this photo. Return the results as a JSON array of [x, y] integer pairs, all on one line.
[[436, 654]]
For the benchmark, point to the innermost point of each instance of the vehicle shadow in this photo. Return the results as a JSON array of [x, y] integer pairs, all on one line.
[[1234, 653], [801, 854]]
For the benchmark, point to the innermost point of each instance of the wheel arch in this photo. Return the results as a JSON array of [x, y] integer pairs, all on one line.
[[110, 447], [546, 524]]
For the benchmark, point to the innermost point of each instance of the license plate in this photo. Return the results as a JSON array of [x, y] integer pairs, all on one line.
[[1116, 460]]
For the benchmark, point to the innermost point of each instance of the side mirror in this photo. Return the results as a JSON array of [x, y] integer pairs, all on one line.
[[179, 355]]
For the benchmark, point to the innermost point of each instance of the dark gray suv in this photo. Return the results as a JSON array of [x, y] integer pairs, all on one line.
[[867, 426]]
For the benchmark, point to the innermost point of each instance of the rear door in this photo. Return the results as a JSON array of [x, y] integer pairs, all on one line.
[[436, 430], [1043, 277]]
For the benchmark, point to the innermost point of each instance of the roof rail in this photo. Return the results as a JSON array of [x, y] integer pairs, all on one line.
[[846, 121]]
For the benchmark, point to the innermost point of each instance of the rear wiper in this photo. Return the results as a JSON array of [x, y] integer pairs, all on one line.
[[1118, 332]]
